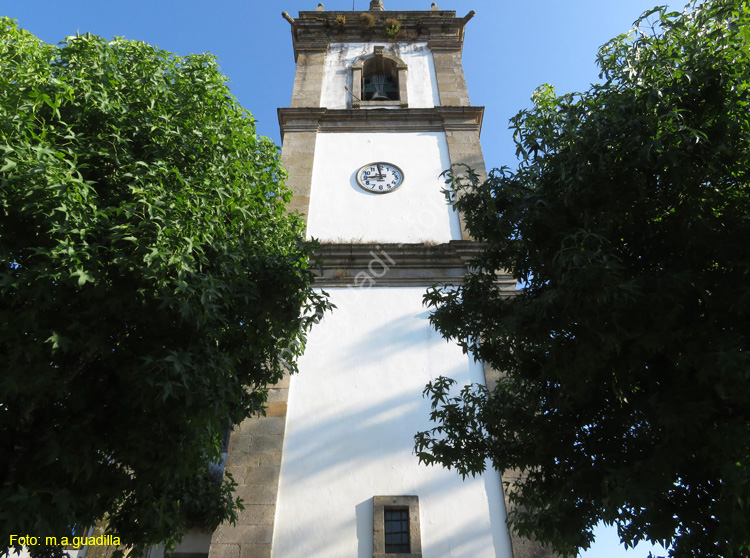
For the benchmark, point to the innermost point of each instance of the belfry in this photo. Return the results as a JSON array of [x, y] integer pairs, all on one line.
[[379, 110]]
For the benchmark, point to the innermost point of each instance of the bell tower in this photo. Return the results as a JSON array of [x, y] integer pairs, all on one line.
[[379, 110]]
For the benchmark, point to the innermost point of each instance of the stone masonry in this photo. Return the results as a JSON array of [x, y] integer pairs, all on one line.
[[254, 460]]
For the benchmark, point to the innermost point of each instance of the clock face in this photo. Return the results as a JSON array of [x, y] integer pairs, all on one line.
[[380, 178]]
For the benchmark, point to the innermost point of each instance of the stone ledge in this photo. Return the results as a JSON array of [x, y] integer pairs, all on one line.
[[437, 119], [315, 30], [390, 265]]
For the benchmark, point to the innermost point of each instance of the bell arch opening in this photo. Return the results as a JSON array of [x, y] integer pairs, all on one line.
[[379, 80]]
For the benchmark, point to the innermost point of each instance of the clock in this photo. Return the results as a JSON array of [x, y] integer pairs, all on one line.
[[380, 178]]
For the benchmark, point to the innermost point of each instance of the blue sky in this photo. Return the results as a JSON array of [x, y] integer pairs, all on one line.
[[511, 47]]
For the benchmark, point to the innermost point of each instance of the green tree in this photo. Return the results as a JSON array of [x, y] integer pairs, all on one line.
[[151, 285], [625, 395]]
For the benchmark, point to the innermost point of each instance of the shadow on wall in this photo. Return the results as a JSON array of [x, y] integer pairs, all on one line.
[[353, 413], [323, 454], [363, 512]]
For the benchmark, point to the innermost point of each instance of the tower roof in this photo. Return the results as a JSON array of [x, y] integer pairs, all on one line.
[[315, 30]]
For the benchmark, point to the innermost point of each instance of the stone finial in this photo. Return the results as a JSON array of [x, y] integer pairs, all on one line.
[[434, 7], [320, 7], [377, 6]]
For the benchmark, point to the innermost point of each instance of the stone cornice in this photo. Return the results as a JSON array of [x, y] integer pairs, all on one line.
[[438, 119], [399, 265], [315, 30]]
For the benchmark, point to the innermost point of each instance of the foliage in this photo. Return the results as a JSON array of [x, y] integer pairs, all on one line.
[[366, 21], [392, 26], [625, 394], [151, 285], [340, 20]]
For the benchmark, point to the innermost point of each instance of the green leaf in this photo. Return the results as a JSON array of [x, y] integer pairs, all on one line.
[[83, 277], [9, 165]]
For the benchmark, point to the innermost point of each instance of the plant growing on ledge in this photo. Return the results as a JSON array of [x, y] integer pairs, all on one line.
[[340, 20], [392, 27], [366, 21]]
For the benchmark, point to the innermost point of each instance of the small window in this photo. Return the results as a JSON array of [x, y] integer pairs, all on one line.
[[396, 530], [395, 527]]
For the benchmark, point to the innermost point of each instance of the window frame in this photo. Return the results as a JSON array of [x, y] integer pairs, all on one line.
[[357, 68], [382, 503]]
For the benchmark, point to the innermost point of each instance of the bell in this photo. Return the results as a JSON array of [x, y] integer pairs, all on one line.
[[378, 82]]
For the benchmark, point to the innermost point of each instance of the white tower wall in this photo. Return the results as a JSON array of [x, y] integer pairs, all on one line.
[[341, 211], [353, 413]]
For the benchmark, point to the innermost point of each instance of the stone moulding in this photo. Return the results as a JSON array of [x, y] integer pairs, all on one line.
[[315, 30], [438, 119], [379, 505], [399, 265]]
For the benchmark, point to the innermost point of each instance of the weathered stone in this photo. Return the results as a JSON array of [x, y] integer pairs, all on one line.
[[237, 472], [257, 514], [264, 475], [268, 425], [283, 383], [239, 534], [256, 551], [410, 264], [312, 32], [266, 443], [270, 458], [450, 78], [308, 79], [276, 409], [297, 155], [224, 551], [277, 395], [257, 494], [238, 441]]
